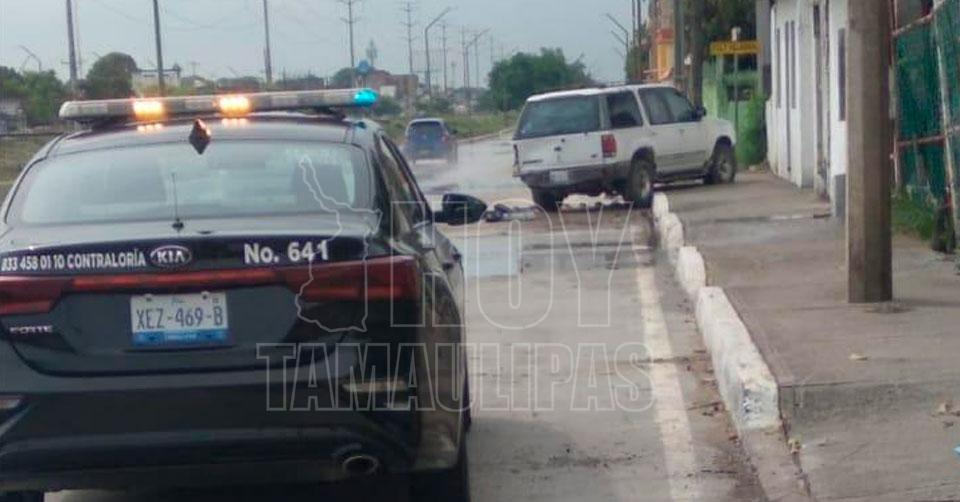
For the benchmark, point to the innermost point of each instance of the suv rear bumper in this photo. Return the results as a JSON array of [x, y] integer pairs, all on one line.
[[577, 178]]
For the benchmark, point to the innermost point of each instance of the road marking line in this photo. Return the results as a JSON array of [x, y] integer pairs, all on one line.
[[669, 406]]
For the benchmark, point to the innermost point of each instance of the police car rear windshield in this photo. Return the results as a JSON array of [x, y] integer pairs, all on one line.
[[231, 179]]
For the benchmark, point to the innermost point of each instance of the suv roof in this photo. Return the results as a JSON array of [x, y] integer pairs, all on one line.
[[592, 91]]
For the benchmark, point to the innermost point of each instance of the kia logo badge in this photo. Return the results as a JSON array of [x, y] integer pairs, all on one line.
[[171, 257]]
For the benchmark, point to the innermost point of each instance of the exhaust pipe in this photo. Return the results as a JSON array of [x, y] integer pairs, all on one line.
[[361, 465]]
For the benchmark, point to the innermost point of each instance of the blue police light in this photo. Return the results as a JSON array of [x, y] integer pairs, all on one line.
[[365, 97]]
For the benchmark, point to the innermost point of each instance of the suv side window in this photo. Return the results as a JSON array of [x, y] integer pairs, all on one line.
[[624, 110], [657, 109], [404, 195], [679, 105]]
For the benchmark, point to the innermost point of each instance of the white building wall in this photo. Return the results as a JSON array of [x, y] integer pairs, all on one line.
[[792, 144], [838, 128]]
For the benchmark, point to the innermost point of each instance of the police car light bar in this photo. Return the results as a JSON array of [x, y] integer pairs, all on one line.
[[233, 105]]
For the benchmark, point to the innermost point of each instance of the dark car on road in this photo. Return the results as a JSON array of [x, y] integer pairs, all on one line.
[[213, 290], [431, 139]]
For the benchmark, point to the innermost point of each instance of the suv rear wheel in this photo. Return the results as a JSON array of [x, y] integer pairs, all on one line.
[[639, 186], [547, 200], [723, 166]]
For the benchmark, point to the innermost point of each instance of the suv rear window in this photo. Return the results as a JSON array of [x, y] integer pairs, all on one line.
[[558, 116], [426, 130], [232, 179]]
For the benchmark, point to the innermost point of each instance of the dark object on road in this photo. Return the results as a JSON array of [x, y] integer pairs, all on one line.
[[267, 338], [431, 139]]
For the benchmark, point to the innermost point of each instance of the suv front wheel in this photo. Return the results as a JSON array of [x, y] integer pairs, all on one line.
[[723, 166], [639, 185]]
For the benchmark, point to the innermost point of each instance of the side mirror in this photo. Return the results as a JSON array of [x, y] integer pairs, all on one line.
[[700, 112], [460, 209]]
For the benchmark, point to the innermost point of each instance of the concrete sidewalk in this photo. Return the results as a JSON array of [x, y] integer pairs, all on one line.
[[865, 390]]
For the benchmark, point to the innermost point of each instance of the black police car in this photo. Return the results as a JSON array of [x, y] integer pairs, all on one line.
[[210, 289]]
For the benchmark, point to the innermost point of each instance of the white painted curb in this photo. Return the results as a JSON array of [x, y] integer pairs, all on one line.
[[691, 271], [746, 383]]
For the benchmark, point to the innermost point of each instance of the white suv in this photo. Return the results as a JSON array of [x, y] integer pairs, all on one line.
[[618, 140]]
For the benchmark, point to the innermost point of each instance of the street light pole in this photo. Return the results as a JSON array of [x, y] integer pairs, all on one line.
[[268, 61], [426, 41], [161, 85], [72, 45], [625, 39]]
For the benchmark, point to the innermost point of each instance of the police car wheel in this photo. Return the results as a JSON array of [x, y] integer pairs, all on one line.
[[21, 497]]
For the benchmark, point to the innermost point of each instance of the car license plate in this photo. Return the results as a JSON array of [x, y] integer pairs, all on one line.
[[164, 321], [557, 177]]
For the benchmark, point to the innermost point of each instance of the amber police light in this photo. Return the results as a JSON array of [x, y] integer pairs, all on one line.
[[234, 105]]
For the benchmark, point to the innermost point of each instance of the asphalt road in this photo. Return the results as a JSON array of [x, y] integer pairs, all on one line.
[[589, 377]]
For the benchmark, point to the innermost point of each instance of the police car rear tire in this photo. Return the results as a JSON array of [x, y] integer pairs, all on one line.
[[22, 497], [448, 486]]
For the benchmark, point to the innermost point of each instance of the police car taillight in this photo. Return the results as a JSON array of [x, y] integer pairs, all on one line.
[[235, 105], [30, 295], [376, 279]]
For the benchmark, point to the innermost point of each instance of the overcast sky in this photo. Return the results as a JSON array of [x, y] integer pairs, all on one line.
[[221, 37]]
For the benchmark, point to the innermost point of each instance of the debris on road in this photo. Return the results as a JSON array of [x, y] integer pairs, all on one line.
[[501, 212]]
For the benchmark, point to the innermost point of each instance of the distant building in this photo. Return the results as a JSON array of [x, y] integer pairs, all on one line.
[[395, 86], [12, 115], [147, 79]]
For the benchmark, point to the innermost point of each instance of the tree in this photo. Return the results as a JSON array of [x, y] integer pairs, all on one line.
[[712, 20], [111, 77], [644, 59], [343, 79], [516, 79], [45, 94], [41, 93]]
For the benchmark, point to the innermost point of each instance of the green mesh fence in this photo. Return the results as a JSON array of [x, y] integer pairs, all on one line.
[[919, 84], [947, 23], [923, 174]]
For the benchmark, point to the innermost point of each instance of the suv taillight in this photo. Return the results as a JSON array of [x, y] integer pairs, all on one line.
[[609, 144]]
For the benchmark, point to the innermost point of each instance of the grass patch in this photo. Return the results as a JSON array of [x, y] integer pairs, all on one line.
[[913, 218], [16, 152]]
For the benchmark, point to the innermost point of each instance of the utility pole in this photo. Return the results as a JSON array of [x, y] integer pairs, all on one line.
[[268, 61], [869, 246], [475, 43], [679, 36], [409, 24], [72, 44], [351, 21], [426, 41], [466, 62], [446, 66], [161, 85]]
